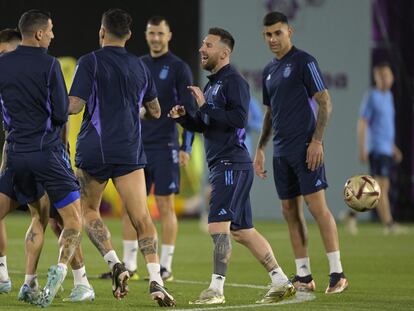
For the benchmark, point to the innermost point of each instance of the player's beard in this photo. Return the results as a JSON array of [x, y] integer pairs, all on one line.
[[210, 64]]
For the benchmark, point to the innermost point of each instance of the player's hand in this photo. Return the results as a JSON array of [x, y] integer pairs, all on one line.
[[397, 154], [314, 154], [363, 156], [197, 94], [184, 158], [259, 162], [176, 112]]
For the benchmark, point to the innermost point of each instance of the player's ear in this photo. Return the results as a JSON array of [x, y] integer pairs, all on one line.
[[129, 35], [169, 36], [39, 35], [290, 31]]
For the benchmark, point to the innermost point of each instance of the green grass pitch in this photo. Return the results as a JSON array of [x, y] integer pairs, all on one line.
[[380, 270]]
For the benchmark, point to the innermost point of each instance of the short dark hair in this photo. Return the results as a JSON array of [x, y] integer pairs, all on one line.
[[225, 36], [117, 22], [31, 20], [8, 35], [274, 18], [157, 19]]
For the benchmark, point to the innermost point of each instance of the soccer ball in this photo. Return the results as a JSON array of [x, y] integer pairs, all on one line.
[[362, 193]]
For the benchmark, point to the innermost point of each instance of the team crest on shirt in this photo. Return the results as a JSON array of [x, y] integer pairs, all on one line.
[[287, 71], [268, 77], [164, 72]]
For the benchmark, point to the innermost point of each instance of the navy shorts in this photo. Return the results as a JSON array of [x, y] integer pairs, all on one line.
[[293, 178], [8, 187], [103, 172], [50, 168], [163, 171], [380, 164], [230, 195]]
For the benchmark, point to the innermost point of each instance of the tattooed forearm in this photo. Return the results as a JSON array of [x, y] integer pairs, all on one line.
[[324, 111], [75, 104], [266, 129], [31, 235], [269, 262], [69, 241], [99, 235], [148, 246], [152, 109]]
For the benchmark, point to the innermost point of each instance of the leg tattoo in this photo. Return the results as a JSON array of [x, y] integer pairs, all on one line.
[[69, 241], [31, 235], [269, 262], [148, 246], [222, 252], [99, 234]]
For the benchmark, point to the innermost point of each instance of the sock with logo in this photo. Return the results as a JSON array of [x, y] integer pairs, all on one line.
[[302, 266], [80, 278]]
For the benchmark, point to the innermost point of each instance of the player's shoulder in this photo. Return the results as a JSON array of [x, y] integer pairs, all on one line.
[[302, 56], [232, 75]]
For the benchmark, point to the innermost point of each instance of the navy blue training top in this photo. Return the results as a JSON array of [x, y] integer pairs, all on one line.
[[288, 87], [114, 83], [223, 118], [33, 99], [171, 76]]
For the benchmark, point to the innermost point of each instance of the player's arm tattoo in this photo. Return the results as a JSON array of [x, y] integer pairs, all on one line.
[[269, 262], [152, 109], [75, 104], [99, 235], [69, 241], [31, 235], [266, 129], [324, 111], [148, 246]]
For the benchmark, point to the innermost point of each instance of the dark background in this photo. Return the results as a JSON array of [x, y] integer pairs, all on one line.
[[76, 24]]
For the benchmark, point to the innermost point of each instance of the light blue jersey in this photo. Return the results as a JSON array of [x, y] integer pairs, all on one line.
[[378, 109]]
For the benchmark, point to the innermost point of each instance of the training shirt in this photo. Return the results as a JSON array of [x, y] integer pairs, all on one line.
[[288, 87], [171, 76], [378, 110], [223, 118], [33, 99], [114, 83]]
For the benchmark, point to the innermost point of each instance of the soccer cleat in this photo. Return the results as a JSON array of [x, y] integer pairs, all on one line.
[[28, 294], [5, 286], [209, 296], [133, 275], [337, 283], [105, 276], [278, 293], [81, 293], [160, 294], [55, 277], [166, 275], [304, 283], [120, 277]]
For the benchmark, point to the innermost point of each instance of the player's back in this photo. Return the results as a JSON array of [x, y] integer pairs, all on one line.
[[116, 82], [33, 99]]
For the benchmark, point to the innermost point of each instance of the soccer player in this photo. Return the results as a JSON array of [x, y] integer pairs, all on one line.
[[34, 106], [291, 83], [222, 118], [9, 40], [113, 84], [376, 139], [160, 138]]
